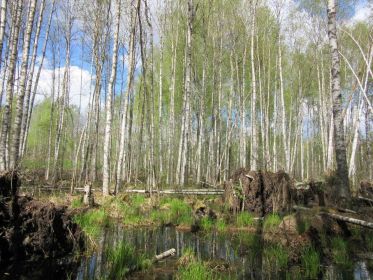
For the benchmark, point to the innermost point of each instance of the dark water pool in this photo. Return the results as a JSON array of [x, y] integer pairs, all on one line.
[[243, 253]]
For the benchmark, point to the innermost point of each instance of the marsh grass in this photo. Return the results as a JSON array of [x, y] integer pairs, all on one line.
[[207, 224], [77, 202], [192, 269], [123, 260], [221, 225], [244, 219], [275, 257], [195, 271], [93, 221], [272, 221], [340, 252], [310, 260]]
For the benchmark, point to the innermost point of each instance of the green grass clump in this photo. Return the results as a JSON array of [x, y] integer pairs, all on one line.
[[160, 217], [206, 224], [244, 219], [192, 269], [123, 259], [76, 203], [137, 200], [221, 225], [180, 212], [271, 221], [195, 271], [340, 251], [91, 222], [276, 257], [311, 262], [303, 224], [369, 242]]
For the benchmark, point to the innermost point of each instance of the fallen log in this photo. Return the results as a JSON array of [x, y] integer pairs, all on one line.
[[349, 220], [365, 199], [164, 255]]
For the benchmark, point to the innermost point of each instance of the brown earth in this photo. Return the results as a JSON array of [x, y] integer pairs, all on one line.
[[32, 230]]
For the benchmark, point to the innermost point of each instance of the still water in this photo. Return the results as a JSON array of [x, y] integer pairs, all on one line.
[[235, 255]]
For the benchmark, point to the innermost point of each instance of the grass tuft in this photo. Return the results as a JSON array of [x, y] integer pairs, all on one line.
[[311, 262], [271, 221], [92, 221], [123, 260], [276, 257], [340, 251], [244, 219]]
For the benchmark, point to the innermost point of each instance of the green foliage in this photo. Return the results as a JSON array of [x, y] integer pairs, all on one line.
[[123, 259], [303, 224], [311, 262], [206, 224], [276, 257], [92, 221], [195, 271], [221, 225], [244, 219], [271, 221], [180, 212], [340, 251], [192, 269], [77, 202], [369, 241]]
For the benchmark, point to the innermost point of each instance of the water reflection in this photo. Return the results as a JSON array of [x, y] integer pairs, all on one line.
[[244, 252]]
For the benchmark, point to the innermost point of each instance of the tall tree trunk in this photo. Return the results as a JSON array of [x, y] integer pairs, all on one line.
[[122, 134], [108, 124], [340, 145], [15, 147], [17, 20], [254, 136], [30, 105], [2, 25], [30, 77]]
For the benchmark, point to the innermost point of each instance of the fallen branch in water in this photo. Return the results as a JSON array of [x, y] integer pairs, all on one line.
[[164, 255]]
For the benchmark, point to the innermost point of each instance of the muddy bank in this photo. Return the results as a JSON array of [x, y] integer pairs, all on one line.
[[31, 230]]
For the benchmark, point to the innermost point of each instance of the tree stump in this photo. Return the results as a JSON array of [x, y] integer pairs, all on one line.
[[88, 195]]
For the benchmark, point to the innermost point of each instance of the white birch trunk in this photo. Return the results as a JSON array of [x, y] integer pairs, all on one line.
[[108, 124]]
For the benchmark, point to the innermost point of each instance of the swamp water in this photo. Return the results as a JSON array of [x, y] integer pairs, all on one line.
[[238, 255]]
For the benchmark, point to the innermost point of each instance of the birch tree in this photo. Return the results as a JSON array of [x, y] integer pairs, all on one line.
[[108, 124], [339, 144]]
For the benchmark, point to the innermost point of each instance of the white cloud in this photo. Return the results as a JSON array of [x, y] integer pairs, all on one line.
[[80, 85], [362, 13]]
